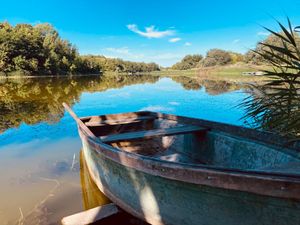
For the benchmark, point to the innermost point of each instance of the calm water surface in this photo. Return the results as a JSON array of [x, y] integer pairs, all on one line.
[[40, 147]]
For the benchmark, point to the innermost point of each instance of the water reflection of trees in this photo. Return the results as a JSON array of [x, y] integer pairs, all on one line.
[[212, 87], [35, 100], [91, 195]]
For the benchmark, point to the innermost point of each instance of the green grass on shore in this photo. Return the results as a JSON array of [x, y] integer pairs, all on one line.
[[228, 73]]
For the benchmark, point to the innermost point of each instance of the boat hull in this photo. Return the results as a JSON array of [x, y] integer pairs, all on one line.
[[159, 200]]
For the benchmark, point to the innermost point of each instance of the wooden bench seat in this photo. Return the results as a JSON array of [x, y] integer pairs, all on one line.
[[152, 133], [119, 122]]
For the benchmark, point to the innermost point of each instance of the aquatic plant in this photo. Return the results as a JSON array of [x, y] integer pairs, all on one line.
[[275, 105]]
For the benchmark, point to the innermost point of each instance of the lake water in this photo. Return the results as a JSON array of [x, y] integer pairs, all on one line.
[[40, 147]]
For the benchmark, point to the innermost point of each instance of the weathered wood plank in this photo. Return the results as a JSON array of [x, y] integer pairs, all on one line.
[[119, 116], [117, 122], [152, 133], [91, 215]]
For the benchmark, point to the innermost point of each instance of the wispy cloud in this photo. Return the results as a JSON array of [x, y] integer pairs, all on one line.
[[236, 41], [123, 50], [150, 32], [262, 33], [173, 40], [166, 56], [187, 44]]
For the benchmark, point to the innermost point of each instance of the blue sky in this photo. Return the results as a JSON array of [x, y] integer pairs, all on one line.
[[162, 31]]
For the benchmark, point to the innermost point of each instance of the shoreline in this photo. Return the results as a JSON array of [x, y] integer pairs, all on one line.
[[231, 73], [47, 76]]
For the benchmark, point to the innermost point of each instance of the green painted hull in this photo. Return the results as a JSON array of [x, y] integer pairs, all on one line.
[[226, 175], [160, 200]]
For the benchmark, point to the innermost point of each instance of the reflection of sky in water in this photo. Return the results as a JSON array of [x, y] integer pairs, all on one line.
[[164, 96], [31, 153]]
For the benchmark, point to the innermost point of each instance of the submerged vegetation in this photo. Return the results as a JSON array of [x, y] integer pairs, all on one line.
[[275, 105]]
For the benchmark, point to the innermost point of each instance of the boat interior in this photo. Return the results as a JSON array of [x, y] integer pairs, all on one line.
[[145, 134]]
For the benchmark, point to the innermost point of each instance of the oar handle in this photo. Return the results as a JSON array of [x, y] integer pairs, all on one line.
[[78, 121], [72, 113]]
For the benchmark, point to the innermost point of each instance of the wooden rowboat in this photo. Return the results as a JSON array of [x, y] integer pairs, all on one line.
[[168, 169]]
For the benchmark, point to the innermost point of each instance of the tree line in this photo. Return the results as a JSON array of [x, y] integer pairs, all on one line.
[[39, 50], [214, 57], [120, 65], [219, 57]]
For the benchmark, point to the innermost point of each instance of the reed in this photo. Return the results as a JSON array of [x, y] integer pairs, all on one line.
[[275, 105]]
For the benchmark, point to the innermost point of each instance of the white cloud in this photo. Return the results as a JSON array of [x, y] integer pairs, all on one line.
[[126, 53], [173, 40], [166, 56], [150, 32], [236, 41], [157, 108], [123, 50], [262, 33], [187, 44]]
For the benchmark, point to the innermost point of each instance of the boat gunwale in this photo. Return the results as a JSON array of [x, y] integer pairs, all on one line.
[[283, 185]]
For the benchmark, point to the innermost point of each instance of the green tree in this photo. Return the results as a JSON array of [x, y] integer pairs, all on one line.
[[255, 57], [188, 62], [236, 57], [217, 57], [38, 50], [122, 66]]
